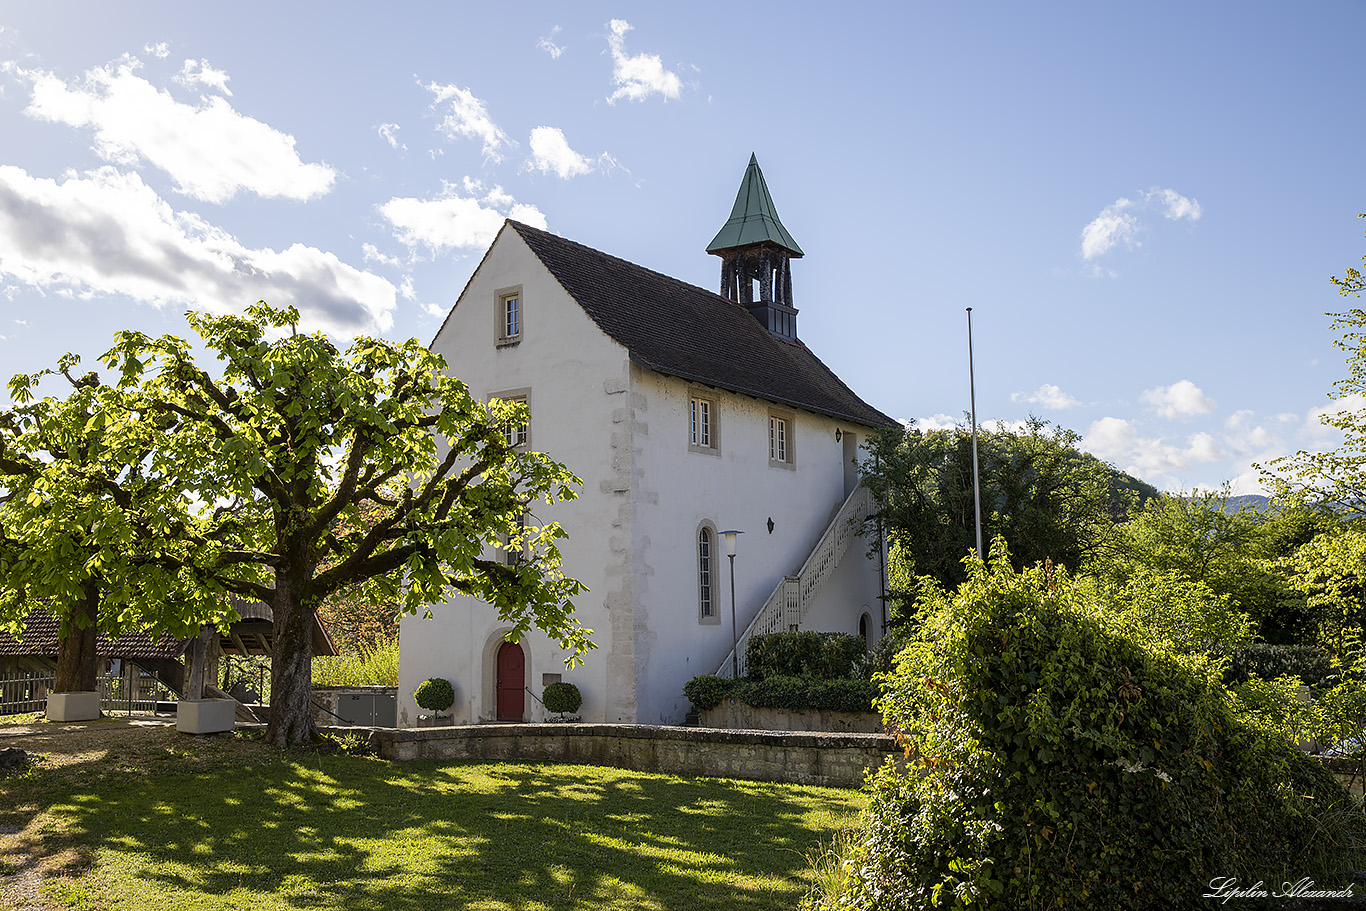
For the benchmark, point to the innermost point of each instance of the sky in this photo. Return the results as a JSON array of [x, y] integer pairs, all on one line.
[[1141, 203]]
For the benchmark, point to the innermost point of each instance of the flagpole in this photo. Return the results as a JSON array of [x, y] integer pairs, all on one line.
[[976, 483]]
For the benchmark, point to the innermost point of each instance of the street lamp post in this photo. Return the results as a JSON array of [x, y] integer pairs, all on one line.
[[730, 537]]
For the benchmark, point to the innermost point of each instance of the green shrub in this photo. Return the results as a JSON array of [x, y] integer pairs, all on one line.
[[562, 698], [1058, 759], [803, 654], [706, 691], [435, 695], [807, 693], [782, 692]]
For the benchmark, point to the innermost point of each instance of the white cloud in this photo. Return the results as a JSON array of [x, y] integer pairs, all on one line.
[[1151, 458], [641, 76], [551, 154], [548, 45], [210, 150], [455, 221], [1113, 225], [198, 72], [373, 254], [1180, 399], [160, 50], [107, 233], [937, 422], [1047, 395], [1118, 224], [389, 133], [467, 116]]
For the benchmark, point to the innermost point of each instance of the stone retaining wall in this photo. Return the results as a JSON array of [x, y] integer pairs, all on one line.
[[733, 715], [835, 760]]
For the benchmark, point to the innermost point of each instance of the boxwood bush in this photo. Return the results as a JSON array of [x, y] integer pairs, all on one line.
[[562, 698], [1057, 760], [435, 694]]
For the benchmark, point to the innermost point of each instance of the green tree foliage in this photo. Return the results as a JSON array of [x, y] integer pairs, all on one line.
[[1337, 478], [1331, 572], [293, 441], [1058, 757], [1047, 499], [90, 522], [1235, 554]]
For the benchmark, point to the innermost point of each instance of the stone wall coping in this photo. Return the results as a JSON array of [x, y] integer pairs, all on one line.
[[817, 739], [355, 689]]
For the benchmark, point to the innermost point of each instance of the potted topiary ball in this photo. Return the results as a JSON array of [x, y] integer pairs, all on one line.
[[436, 695], [562, 698]]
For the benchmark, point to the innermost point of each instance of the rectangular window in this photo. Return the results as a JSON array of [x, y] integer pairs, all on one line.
[[701, 422], [703, 433], [517, 433], [514, 550], [781, 442], [777, 439], [508, 315]]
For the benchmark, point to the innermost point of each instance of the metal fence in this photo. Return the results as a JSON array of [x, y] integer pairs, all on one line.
[[124, 690]]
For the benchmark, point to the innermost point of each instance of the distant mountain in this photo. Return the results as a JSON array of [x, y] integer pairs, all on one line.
[[1255, 501]]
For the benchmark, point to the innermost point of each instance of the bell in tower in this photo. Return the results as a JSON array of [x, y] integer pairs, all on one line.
[[756, 250]]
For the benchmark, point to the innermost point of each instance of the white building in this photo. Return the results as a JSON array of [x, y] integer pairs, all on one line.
[[686, 413]]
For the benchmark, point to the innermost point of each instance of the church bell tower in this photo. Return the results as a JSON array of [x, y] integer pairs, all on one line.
[[756, 256]]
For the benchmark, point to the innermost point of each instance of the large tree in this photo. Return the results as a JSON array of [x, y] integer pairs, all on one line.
[[294, 441], [1044, 497], [84, 519]]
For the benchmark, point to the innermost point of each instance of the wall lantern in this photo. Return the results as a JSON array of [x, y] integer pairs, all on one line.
[[770, 525], [839, 434]]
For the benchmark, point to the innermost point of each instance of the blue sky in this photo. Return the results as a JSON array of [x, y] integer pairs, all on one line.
[[1141, 203]]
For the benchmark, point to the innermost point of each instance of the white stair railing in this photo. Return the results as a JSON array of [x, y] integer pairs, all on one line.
[[786, 607]]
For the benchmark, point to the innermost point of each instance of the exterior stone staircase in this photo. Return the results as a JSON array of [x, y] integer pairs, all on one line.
[[787, 607]]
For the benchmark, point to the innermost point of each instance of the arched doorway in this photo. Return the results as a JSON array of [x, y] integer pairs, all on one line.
[[511, 682], [865, 630]]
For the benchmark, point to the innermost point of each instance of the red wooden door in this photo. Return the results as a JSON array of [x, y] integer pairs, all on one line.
[[511, 682]]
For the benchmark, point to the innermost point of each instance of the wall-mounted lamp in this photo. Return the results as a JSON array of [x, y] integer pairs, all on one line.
[[770, 525], [839, 434]]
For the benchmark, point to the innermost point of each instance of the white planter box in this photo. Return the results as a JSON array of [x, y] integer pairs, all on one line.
[[205, 716], [73, 706]]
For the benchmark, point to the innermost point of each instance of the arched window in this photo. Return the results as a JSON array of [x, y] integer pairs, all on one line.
[[704, 567]]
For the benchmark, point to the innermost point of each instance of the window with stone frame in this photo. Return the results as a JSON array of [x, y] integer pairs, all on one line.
[[706, 567], [781, 445], [704, 432], [508, 315]]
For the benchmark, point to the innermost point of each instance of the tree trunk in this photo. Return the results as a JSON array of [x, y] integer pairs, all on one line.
[[76, 650], [291, 666]]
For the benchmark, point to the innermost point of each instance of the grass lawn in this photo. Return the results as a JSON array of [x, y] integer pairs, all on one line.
[[152, 819]]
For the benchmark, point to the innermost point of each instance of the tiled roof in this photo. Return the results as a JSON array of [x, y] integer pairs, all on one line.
[[679, 329], [40, 641], [252, 634]]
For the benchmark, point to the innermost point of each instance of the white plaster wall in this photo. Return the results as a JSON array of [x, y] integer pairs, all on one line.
[[577, 377], [680, 489]]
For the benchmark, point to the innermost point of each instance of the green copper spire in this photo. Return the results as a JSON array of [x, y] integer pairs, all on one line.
[[754, 219]]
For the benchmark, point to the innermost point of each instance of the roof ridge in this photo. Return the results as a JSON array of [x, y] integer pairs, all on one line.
[[519, 226]]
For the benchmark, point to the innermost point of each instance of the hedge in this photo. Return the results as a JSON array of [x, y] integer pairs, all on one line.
[[785, 692], [804, 654]]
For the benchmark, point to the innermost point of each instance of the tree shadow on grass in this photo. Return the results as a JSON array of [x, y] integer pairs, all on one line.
[[322, 832]]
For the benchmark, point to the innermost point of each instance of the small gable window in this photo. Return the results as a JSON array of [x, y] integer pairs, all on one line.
[[703, 433], [508, 315]]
